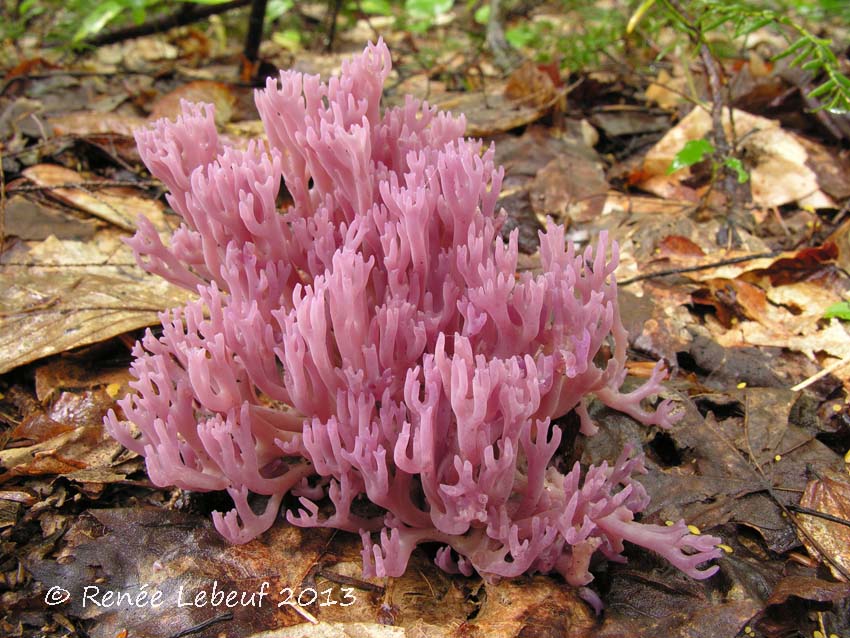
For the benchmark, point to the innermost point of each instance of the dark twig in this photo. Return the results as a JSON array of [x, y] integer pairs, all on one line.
[[107, 183], [201, 626], [339, 579], [687, 269], [187, 15], [255, 31], [810, 512], [2, 203], [786, 509], [334, 7]]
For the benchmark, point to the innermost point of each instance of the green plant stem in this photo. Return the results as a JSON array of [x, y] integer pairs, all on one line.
[[723, 147]]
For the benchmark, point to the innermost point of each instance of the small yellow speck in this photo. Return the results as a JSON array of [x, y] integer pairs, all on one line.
[[847, 457], [833, 636], [671, 523], [810, 224], [726, 548], [818, 634], [733, 320], [777, 458], [808, 208], [2, 396], [693, 529], [748, 630], [742, 385], [113, 389], [836, 407]]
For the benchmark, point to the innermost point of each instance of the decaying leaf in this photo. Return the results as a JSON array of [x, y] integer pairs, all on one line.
[[531, 86], [86, 123], [66, 440], [809, 588], [667, 91], [494, 114], [781, 164], [777, 301], [117, 206], [216, 93], [31, 219], [336, 630], [571, 186], [182, 557], [136, 53], [830, 495], [57, 295]]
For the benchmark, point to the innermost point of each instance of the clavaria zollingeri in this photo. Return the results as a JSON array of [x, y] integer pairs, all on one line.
[[373, 342]]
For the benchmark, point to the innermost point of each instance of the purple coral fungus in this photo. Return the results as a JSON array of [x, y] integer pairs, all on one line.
[[376, 334]]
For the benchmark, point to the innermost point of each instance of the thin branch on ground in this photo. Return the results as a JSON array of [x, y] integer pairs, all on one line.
[[188, 14]]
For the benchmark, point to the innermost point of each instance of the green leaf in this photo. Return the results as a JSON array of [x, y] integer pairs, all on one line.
[[427, 9], [520, 36], [692, 153], [376, 7], [747, 28], [637, 16], [482, 14], [289, 39], [823, 89], [736, 165], [803, 56], [97, 19], [277, 8], [792, 49], [840, 310], [25, 6], [711, 25]]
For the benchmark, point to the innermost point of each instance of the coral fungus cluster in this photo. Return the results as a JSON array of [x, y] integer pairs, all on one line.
[[372, 341]]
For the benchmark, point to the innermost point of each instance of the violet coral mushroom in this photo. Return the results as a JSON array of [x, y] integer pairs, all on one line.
[[373, 341]]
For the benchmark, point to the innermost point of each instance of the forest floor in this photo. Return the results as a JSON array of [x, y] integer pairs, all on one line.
[[732, 284]]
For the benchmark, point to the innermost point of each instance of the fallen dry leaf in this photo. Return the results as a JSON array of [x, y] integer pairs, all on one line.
[[493, 114], [830, 495], [782, 165], [617, 121], [181, 556], [777, 301], [535, 606], [667, 91], [833, 341], [115, 205], [135, 53], [85, 123], [530, 86], [571, 187], [66, 439], [218, 94], [808, 588], [28, 218], [57, 295], [336, 630], [61, 373]]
